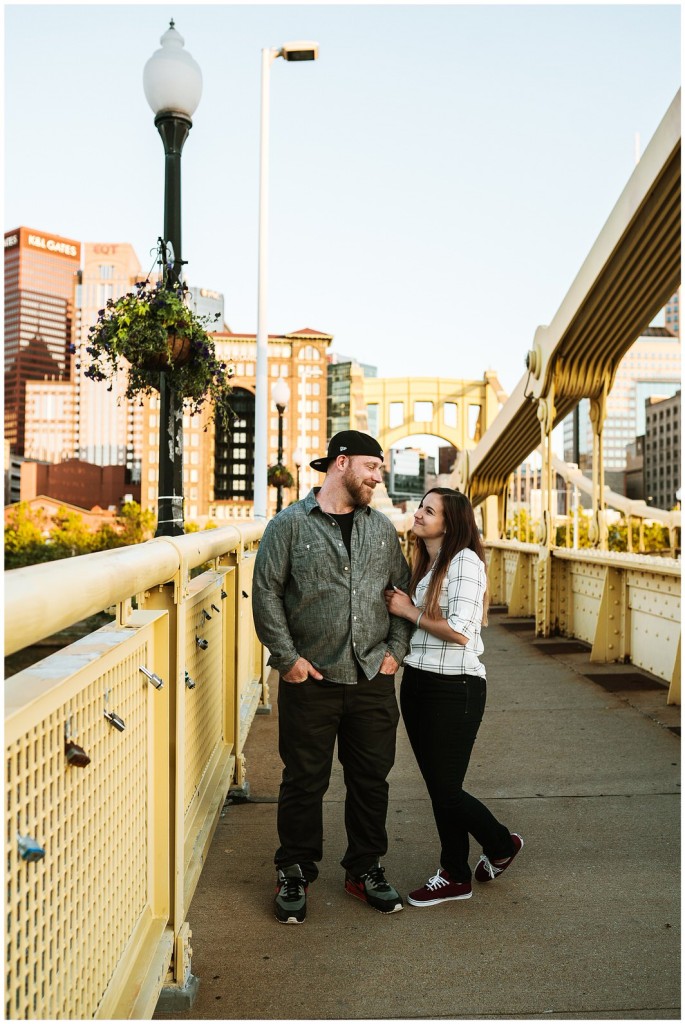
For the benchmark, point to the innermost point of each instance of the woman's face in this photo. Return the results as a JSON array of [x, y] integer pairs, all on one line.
[[429, 520]]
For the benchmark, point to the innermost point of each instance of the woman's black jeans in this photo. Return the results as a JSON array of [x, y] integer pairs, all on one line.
[[442, 715]]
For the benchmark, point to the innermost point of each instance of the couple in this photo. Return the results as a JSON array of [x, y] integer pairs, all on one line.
[[331, 603]]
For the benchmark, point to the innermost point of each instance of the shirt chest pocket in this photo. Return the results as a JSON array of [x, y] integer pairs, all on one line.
[[310, 561], [377, 562]]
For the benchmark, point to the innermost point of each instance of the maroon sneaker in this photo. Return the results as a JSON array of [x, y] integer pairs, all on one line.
[[486, 869], [439, 889]]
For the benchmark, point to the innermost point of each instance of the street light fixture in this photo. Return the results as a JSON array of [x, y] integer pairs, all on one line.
[[172, 82], [280, 392], [297, 51]]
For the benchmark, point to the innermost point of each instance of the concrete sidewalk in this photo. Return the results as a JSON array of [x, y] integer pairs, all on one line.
[[585, 925]]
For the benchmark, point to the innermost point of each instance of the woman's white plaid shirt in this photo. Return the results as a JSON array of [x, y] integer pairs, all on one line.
[[461, 603]]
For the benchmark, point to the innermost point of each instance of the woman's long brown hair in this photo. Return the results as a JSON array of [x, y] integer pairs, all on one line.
[[461, 532]]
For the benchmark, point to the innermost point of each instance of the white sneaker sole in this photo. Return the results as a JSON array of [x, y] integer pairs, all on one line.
[[434, 903]]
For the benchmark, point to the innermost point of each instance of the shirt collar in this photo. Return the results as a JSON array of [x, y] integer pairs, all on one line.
[[311, 504]]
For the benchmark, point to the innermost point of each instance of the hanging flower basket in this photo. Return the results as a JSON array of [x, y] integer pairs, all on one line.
[[279, 476], [177, 352], [153, 331]]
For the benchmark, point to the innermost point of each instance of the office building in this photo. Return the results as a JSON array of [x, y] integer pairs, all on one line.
[[218, 465], [206, 302], [650, 368], [40, 277], [662, 451], [346, 404], [109, 427]]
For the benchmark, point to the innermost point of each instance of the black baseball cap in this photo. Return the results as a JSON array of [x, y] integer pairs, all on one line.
[[348, 442]]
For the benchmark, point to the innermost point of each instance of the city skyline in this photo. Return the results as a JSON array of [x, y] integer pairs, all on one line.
[[432, 196]]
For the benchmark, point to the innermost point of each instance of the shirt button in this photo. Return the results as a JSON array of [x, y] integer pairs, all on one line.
[[347, 568]]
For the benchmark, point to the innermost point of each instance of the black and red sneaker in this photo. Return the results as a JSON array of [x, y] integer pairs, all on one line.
[[439, 889], [372, 888], [487, 870]]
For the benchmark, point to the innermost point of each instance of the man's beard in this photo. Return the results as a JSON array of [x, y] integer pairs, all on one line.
[[359, 492]]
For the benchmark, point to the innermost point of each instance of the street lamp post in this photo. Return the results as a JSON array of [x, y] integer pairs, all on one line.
[[280, 393], [298, 459], [298, 51], [173, 85]]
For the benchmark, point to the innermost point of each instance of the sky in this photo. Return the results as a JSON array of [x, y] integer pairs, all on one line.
[[437, 176]]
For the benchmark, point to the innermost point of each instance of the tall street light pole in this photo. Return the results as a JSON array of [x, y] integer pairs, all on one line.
[[291, 52], [173, 85], [280, 393]]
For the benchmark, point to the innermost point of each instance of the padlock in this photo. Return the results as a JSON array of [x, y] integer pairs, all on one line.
[[76, 756], [190, 683], [202, 643], [29, 848], [114, 720], [206, 615]]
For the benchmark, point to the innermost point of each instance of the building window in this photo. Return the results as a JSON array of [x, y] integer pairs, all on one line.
[[396, 414], [449, 414], [474, 422], [423, 412]]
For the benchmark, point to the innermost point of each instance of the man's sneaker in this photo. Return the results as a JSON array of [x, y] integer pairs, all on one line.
[[290, 902], [372, 888], [439, 889], [486, 869]]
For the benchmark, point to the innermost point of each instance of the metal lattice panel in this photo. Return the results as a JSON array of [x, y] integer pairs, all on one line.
[[203, 704], [70, 915]]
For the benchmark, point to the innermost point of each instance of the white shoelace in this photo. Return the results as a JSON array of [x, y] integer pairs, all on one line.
[[436, 882], [491, 870]]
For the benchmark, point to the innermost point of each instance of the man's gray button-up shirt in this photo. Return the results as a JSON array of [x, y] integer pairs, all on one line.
[[311, 600]]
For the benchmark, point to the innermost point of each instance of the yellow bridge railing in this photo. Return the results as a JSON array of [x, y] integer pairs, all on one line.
[[120, 751], [121, 748], [626, 606]]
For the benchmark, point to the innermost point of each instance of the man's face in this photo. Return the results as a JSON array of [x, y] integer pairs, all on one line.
[[360, 477]]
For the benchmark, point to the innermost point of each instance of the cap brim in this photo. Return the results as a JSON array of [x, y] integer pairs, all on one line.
[[321, 465]]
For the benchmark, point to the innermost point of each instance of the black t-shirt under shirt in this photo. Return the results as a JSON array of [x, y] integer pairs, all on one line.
[[344, 521]]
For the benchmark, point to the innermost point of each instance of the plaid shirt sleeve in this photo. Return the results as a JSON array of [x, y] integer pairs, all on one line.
[[465, 593]]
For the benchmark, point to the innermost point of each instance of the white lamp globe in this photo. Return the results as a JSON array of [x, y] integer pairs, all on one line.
[[172, 80], [280, 392]]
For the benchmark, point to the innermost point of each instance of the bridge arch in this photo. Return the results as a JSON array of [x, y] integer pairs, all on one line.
[[457, 411]]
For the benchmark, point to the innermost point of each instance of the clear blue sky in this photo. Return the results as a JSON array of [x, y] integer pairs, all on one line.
[[437, 177]]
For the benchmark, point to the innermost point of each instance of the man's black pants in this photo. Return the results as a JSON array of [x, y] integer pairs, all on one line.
[[363, 716]]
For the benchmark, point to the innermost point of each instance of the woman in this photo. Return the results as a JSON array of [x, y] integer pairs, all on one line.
[[443, 689]]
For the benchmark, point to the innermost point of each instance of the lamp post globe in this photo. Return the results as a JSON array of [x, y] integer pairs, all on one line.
[[172, 82], [280, 392], [172, 79]]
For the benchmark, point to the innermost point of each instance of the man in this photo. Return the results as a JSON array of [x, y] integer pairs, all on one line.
[[320, 573]]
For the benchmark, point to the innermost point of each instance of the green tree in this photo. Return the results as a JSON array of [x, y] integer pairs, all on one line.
[[563, 539], [107, 537], [70, 536], [136, 524], [24, 541], [522, 527]]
